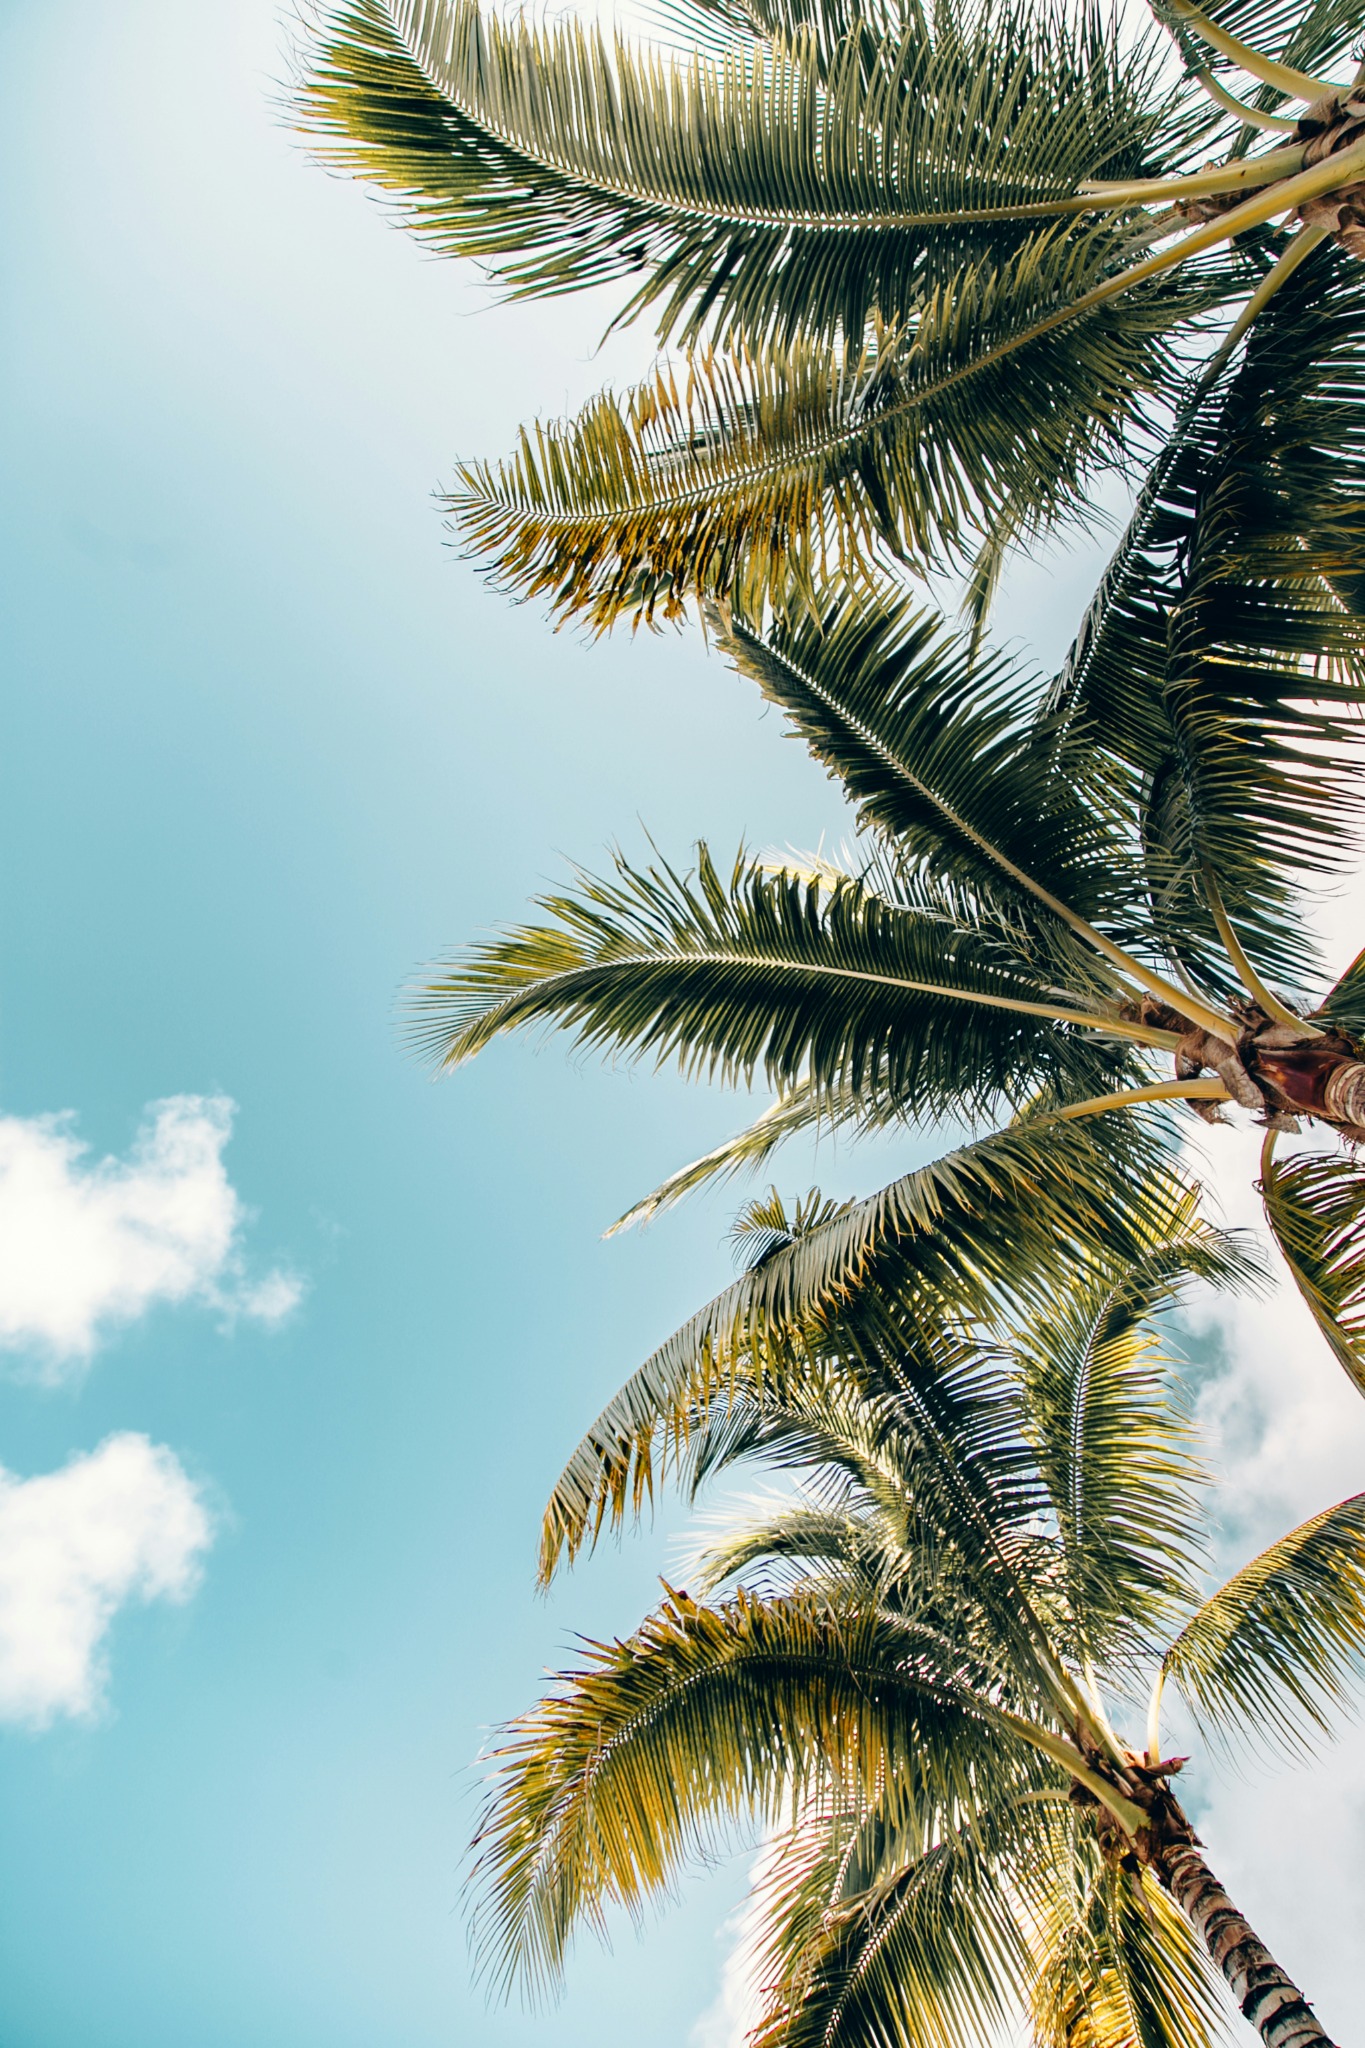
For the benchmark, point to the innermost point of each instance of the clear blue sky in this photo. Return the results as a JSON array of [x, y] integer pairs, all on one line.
[[267, 746]]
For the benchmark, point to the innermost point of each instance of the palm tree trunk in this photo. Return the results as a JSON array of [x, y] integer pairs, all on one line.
[[1269, 2000]]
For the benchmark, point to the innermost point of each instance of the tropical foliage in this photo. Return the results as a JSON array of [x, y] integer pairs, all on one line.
[[926, 274], [931, 268], [906, 1663], [1065, 879]]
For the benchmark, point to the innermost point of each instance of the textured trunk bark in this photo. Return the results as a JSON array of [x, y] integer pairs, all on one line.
[[1323, 1079], [1269, 2000]]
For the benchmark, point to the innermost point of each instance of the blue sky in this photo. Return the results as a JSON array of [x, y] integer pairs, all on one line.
[[268, 746]]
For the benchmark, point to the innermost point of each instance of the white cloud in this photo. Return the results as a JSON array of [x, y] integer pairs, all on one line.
[[121, 1523], [738, 2004], [86, 1244]]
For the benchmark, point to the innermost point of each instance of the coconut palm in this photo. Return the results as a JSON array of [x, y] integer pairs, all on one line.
[[1069, 882], [910, 1666], [931, 268]]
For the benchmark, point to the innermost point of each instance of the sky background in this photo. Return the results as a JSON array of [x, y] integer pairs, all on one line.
[[296, 1345]]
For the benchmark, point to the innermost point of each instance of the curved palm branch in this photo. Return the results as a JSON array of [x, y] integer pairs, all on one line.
[[1221, 666], [792, 185], [708, 1716], [1275, 1650], [988, 1224], [1113, 1449], [781, 1548], [943, 754], [795, 977], [1315, 1206], [928, 1958], [799, 1108], [904, 1435], [1118, 1965], [755, 472], [1317, 39], [937, 747]]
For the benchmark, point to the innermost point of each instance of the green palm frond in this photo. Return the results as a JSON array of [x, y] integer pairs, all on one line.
[[777, 1551], [1221, 667], [1112, 1445], [901, 1428], [995, 1222], [759, 471], [929, 1958], [941, 751], [799, 1108], [1344, 1004], [1118, 1965], [1273, 1654], [823, 28], [956, 1938], [1315, 1205], [706, 1718], [1320, 37], [788, 976], [797, 185]]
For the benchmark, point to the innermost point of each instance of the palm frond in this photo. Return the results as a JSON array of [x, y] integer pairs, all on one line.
[[802, 1107], [780, 1550], [940, 749], [995, 1222], [1344, 1003], [1112, 1445], [706, 1718], [1118, 1965], [1318, 38], [1222, 664], [1273, 1654], [796, 184], [1315, 1206], [778, 974], [928, 1958], [759, 471]]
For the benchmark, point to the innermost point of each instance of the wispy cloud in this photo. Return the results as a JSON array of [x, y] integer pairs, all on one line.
[[738, 2004], [121, 1523], [86, 1244]]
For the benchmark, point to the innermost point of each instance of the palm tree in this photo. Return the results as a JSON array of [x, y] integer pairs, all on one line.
[[907, 1665], [931, 269], [1068, 880]]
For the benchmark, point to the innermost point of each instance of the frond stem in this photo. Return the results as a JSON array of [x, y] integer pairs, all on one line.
[[1129, 1098], [1250, 171], [1099, 1719], [1251, 980], [1055, 1013], [1268, 1153], [1154, 1713], [1296, 85], [1129, 1816], [1253, 117], [1303, 244]]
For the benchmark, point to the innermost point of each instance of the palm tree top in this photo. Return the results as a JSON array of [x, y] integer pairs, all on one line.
[[933, 270], [910, 1661]]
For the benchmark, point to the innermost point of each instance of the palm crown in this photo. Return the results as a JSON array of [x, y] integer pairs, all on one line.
[[930, 268], [901, 1666], [1068, 878]]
